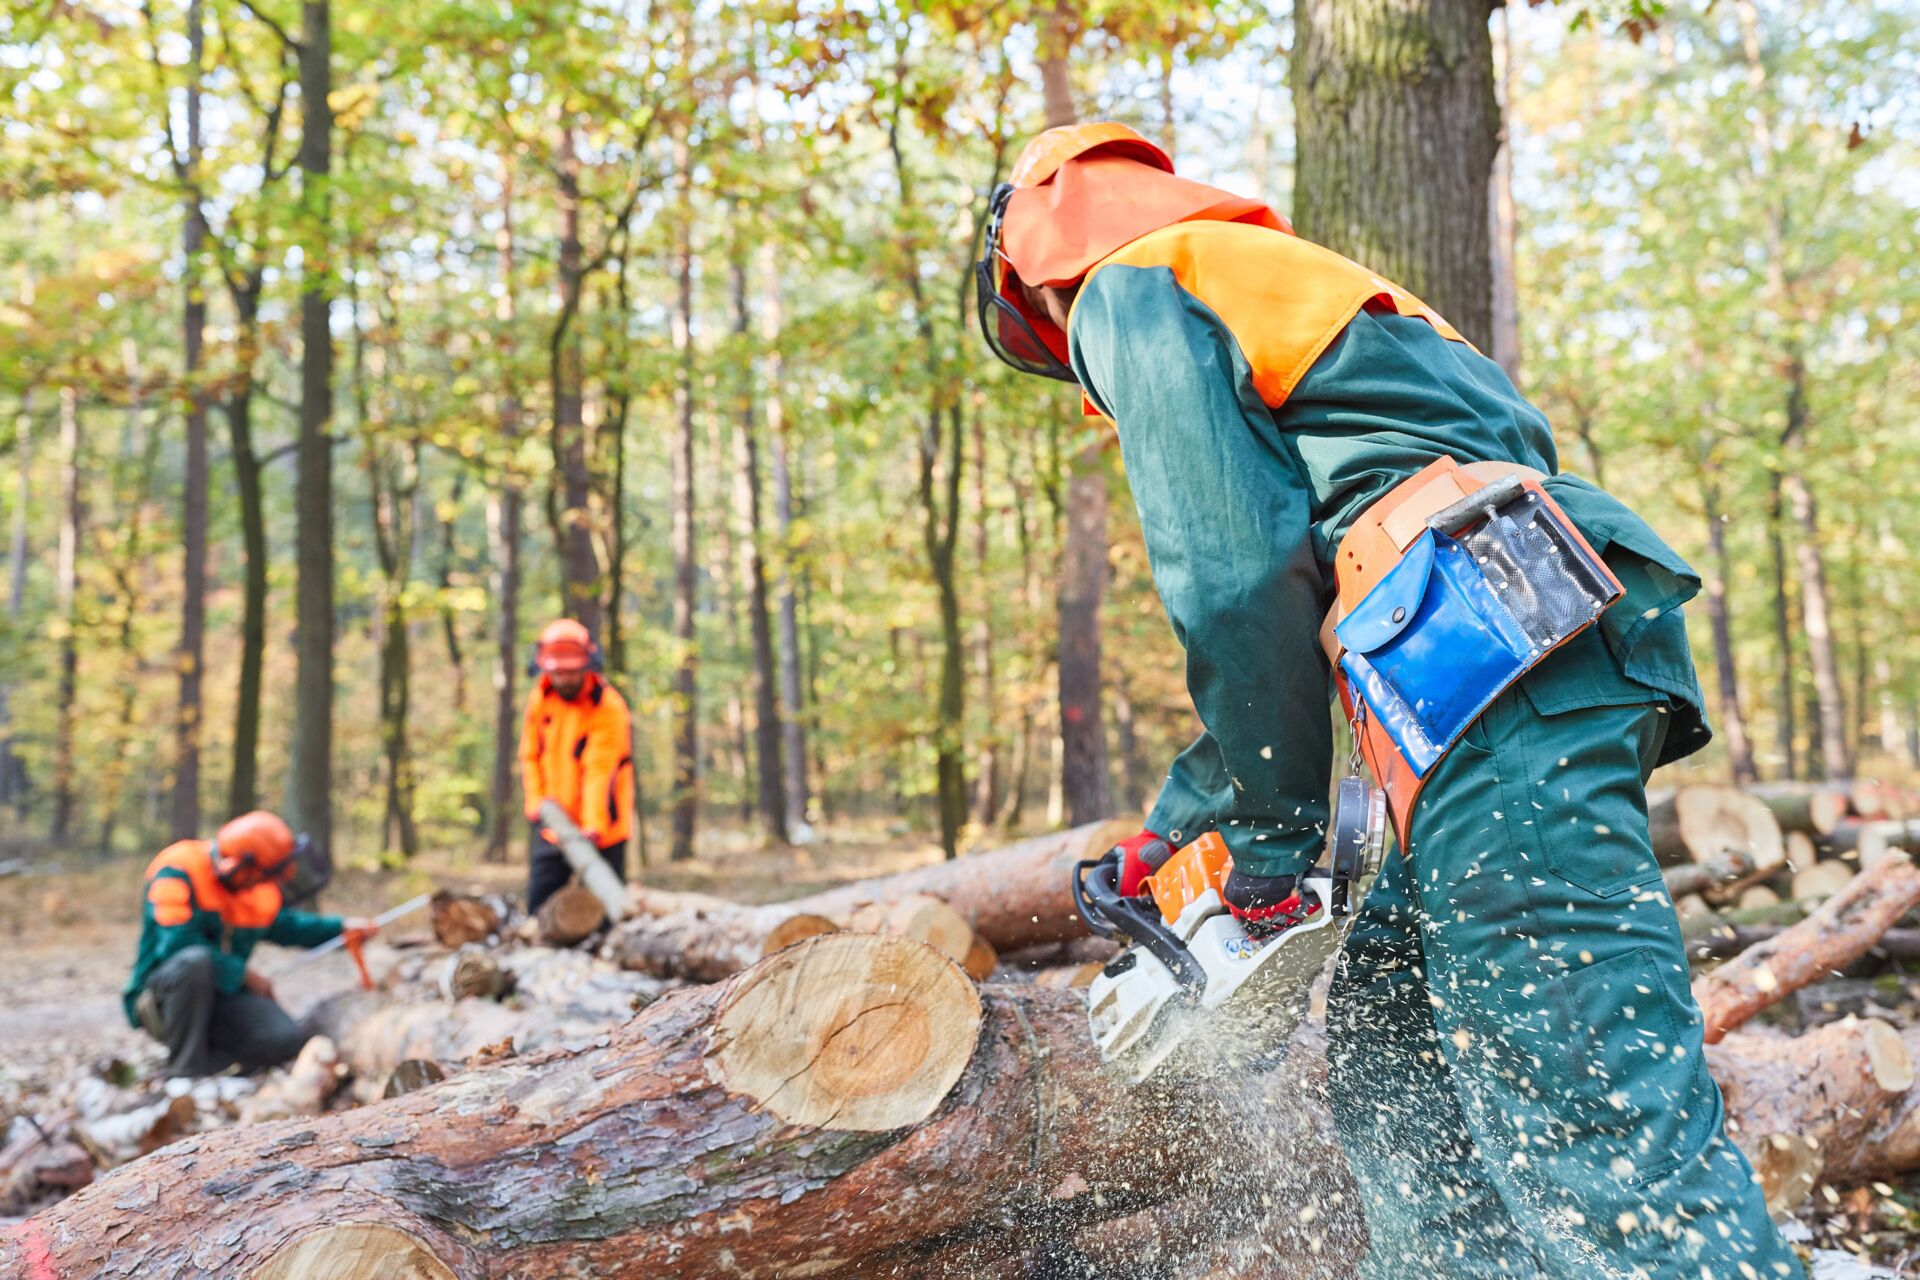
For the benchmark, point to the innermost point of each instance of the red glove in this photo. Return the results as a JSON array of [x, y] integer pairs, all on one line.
[[1270, 901], [1140, 857]]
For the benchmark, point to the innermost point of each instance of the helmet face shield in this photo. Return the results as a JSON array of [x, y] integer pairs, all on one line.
[[1010, 334]]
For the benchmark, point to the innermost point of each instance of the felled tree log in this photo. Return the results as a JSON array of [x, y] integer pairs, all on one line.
[[1821, 881], [1871, 840], [1711, 877], [1891, 1143], [1845, 928], [1014, 897], [1809, 808], [571, 914], [841, 1102], [1715, 937], [1794, 1105], [709, 941], [1698, 823]]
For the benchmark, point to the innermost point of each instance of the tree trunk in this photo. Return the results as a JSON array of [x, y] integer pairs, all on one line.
[[851, 1080], [616, 636], [686, 705], [793, 758], [581, 595], [1383, 90], [1811, 810], [312, 790], [1503, 224], [1835, 761], [193, 521], [569, 916], [1086, 790], [11, 793], [1785, 733], [1733, 722], [1697, 823], [243, 787], [992, 742], [771, 793], [503, 536], [443, 578], [1844, 928], [66, 591]]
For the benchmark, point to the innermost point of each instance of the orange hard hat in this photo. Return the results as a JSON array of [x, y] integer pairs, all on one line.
[[1043, 156], [259, 840], [565, 645]]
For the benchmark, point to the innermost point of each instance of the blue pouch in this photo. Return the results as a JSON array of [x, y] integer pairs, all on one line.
[[1465, 613]]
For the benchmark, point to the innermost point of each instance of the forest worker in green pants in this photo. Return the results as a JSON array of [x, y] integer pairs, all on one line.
[[1516, 1068]]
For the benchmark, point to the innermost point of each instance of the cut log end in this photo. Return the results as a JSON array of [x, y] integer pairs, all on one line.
[[459, 919], [354, 1251], [1888, 1063], [570, 916], [847, 1031], [1788, 1166], [797, 928]]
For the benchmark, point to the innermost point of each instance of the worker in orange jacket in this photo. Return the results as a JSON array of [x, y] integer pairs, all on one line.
[[576, 749]]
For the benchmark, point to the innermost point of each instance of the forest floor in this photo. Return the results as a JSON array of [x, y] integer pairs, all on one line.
[[68, 934]]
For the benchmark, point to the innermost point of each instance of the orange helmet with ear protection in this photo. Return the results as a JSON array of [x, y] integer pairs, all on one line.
[[252, 847], [565, 645]]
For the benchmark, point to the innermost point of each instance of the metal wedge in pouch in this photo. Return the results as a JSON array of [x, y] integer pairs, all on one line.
[[1194, 991]]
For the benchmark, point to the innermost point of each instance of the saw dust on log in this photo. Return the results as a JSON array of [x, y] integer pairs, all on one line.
[[1844, 928], [1794, 1104], [570, 915], [640, 1154]]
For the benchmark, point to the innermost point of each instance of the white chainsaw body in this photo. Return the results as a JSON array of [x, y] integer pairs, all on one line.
[[1255, 990]]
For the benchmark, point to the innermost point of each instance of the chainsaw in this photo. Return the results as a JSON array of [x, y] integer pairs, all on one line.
[[1194, 990]]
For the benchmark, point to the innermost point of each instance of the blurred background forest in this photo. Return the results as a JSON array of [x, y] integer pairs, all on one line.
[[658, 314]]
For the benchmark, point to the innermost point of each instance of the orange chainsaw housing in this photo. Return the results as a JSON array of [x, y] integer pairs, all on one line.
[[1186, 877]]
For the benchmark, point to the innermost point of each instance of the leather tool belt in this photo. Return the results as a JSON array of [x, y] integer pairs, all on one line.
[[1457, 582]]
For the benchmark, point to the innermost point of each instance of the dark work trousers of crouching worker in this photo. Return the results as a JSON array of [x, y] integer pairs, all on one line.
[[548, 869], [207, 1030], [1516, 1064]]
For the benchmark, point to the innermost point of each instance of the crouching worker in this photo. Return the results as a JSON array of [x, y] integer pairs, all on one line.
[[207, 903]]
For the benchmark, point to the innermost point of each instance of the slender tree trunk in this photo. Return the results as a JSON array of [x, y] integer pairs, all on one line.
[[11, 794], [987, 757], [1083, 578], [312, 791], [1782, 625], [686, 706], [1733, 722], [191, 657], [66, 589], [581, 596], [1816, 616], [616, 635], [772, 797], [443, 576], [1503, 227], [503, 536], [243, 785], [1384, 89], [793, 730], [141, 447], [725, 601]]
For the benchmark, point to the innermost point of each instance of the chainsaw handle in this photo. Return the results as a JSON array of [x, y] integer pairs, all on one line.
[[1135, 921]]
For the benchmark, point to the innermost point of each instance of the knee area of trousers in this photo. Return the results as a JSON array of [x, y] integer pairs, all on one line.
[[193, 968]]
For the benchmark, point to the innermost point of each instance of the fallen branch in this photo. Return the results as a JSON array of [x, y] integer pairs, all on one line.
[[1844, 928], [585, 860]]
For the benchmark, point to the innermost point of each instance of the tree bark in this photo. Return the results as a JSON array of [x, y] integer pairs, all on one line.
[[503, 536], [1844, 928], [581, 593], [1785, 733], [191, 656], [1503, 220], [686, 687], [1383, 90], [66, 592], [771, 792], [312, 790]]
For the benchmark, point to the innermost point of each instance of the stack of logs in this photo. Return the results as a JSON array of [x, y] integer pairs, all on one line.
[[827, 1090]]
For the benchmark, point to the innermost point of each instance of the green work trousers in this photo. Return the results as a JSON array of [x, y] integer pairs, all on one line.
[[1516, 1067]]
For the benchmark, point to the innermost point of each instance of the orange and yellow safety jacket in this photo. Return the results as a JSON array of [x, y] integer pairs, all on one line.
[[578, 752]]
